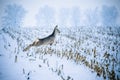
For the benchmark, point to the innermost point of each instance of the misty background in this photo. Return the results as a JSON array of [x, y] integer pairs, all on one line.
[[65, 13]]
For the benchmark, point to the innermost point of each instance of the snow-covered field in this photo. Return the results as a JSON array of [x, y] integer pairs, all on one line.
[[78, 53]]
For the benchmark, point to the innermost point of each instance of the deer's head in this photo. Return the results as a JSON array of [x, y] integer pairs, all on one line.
[[56, 29]]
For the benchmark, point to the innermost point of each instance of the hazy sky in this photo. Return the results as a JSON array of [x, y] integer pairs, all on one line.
[[32, 6]]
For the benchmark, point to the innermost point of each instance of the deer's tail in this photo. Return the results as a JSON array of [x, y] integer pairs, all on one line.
[[28, 47]]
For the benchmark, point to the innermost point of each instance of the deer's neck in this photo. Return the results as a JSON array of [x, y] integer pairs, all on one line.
[[54, 33]]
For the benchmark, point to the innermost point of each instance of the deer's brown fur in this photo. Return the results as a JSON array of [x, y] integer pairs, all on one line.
[[44, 41]]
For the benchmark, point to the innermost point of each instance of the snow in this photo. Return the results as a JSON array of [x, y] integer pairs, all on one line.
[[59, 61], [32, 65], [14, 71], [87, 48]]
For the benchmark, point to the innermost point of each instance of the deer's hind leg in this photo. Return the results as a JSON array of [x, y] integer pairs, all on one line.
[[28, 47], [35, 43]]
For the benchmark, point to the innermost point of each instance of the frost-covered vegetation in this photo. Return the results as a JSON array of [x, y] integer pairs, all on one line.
[[79, 52], [96, 47]]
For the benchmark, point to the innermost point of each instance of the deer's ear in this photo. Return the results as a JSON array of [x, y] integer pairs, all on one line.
[[56, 26]]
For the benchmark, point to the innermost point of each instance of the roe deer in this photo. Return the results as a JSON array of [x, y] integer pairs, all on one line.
[[45, 41]]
